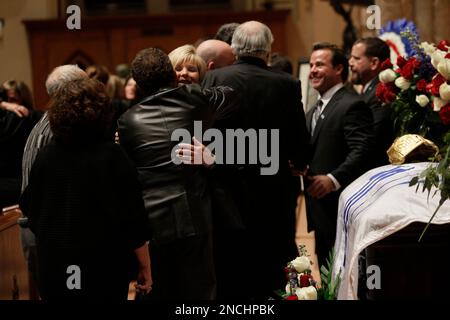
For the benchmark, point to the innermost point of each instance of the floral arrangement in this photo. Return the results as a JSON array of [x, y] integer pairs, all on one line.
[[400, 44], [300, 282], [417, 88], [418, 94]]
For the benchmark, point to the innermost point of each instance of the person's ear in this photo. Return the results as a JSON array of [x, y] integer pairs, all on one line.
[[375, 63], [211, 65], [339, 68]]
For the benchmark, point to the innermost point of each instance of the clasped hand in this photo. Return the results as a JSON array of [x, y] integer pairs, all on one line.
[[196, 153]]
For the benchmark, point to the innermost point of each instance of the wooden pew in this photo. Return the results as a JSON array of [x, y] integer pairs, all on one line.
[[14, 275]]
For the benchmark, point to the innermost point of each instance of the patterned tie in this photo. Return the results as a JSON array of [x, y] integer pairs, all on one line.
[[316, 115]]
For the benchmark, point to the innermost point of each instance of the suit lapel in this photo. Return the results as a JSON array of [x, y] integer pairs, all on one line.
[[329, 109], [371, 89]]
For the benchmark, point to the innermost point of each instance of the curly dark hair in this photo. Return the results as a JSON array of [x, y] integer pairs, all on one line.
[[81, 112], [152, 70]]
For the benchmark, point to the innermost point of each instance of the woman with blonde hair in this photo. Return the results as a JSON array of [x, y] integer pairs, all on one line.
[[188, 65]]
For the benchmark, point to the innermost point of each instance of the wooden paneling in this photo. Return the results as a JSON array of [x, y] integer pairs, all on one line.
[[409, 269], [114, 40], [14, 283]]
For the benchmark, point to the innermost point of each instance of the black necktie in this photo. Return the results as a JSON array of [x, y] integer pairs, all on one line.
[[316, 115]]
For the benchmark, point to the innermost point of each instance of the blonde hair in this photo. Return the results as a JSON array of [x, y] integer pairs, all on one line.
[[187, 53]]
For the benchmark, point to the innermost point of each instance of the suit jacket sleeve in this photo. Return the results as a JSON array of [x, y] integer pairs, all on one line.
[[223, 100], [299, 148], [358, 132]]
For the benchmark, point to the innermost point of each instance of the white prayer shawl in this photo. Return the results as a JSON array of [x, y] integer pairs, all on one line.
[[376, 205]]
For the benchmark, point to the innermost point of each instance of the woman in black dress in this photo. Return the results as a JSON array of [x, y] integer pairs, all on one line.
[[84, 203]]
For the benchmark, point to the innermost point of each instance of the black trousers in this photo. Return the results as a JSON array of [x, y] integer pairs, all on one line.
[[183, 269]]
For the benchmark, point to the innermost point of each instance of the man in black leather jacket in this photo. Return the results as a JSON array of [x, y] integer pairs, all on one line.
[[176, 197]]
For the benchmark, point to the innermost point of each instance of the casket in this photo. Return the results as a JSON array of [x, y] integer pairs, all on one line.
[[381, 217], [409, 269]]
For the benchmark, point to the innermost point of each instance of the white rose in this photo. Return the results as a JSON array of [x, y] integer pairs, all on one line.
[[422, 100], [308, 293], [444, 68], [402, 83], [438, 104], [288, 289], [428, 48], [301, 264], [437, 57], [387, 76], [444, 91]]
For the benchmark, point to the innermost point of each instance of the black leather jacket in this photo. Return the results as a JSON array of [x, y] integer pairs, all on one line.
[[176, 197]]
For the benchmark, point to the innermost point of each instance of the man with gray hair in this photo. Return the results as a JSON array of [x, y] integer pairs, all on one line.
[[41, 133], [270, 102], [39, 137], [217, 54]]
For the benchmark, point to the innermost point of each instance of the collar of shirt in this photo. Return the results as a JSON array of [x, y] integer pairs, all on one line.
[[326, 97], [367, 86]]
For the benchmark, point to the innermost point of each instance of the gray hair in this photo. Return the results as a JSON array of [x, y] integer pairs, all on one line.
[[252, 38], [60, 76]]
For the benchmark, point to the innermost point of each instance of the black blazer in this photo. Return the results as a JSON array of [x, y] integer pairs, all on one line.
[[268, 100], [342, 138], [383, 125], [341, 146]]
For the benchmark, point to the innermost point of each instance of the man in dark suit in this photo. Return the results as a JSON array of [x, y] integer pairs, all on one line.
[[341, 136], [367, 56], [250, 262]]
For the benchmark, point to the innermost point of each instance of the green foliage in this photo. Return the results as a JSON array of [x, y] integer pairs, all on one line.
[[436, 177], [329, 286]]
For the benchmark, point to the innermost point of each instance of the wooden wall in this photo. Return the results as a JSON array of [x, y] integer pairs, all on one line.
[[115, 40]]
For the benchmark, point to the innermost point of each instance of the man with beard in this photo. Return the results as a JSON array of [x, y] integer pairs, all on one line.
[[367, 56]]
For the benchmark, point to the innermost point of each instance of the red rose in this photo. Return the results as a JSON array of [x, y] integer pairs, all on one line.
[[438, 80], [416, 63], [304, 280], [444, 114], [447, 56], [386, 92], [421, 85], [293, 297], [443, 45], [401, 61], [389, 96], [435, 91], [407, 71], [386, 64], [381, 88], [433, 87]]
